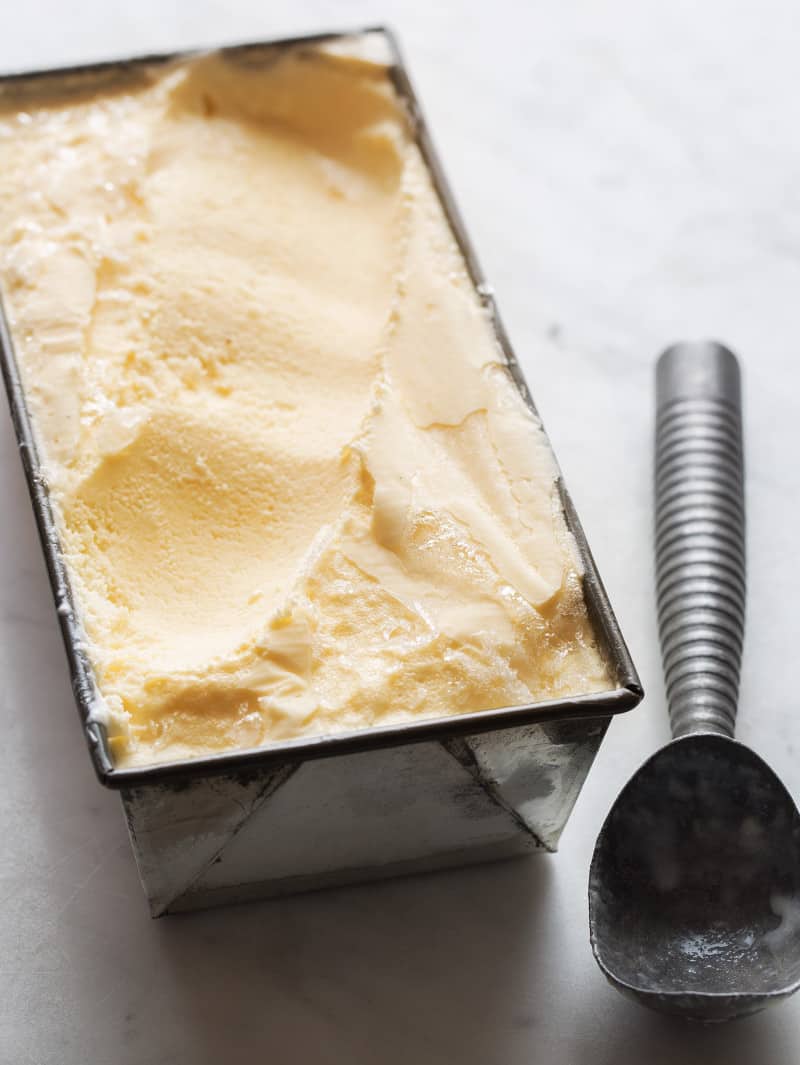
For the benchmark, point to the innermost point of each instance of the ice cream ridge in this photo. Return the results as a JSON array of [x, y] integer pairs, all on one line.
[[297, 489]]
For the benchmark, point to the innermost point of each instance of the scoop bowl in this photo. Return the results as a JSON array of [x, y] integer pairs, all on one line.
[[694, 888]]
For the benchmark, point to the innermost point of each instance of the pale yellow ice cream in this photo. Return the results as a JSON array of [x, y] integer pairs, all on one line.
[[297, 489]]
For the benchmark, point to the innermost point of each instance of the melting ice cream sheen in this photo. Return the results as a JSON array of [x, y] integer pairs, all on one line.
[[296, 487]]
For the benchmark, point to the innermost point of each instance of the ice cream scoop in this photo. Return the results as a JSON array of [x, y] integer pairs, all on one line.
[[694, 889]]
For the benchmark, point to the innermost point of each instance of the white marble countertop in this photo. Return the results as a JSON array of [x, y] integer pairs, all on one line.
[[630, 173]]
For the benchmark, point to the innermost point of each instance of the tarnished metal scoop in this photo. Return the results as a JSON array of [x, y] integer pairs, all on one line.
[[694, 890]]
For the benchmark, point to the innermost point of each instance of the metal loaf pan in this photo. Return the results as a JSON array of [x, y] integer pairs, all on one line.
[[336, 808]]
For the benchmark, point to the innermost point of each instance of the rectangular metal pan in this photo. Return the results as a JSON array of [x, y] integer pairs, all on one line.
[[550, 743]]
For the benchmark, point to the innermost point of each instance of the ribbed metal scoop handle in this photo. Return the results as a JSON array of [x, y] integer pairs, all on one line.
[[700, 534]]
